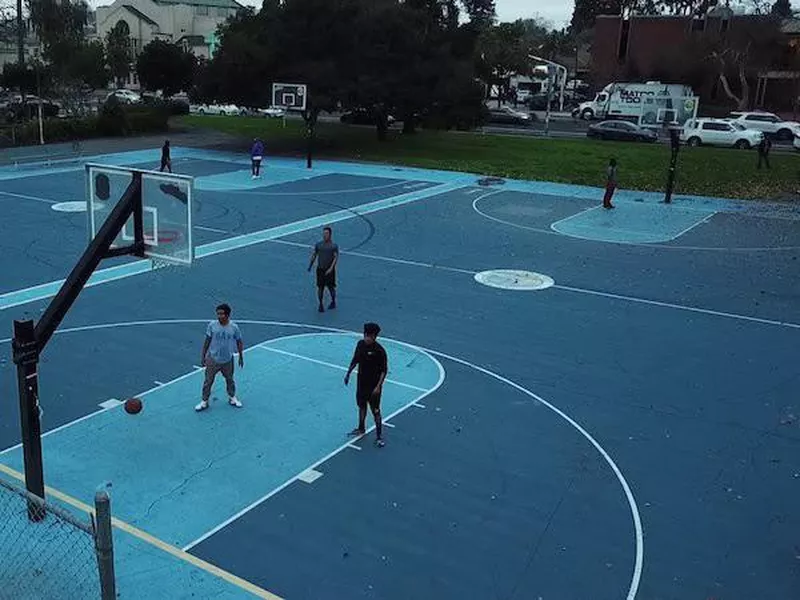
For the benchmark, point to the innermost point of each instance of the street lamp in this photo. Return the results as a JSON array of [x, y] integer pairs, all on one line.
[[557, 66]]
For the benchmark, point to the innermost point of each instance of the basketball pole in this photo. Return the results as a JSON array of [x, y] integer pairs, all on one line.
[[31, 339]]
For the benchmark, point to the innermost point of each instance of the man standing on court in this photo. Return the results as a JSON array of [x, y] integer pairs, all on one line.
[[326, 253], [166, 159], [256, 155], [373, 365], [223, 339]]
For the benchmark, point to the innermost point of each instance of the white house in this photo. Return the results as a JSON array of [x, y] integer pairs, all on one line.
[[190, 23]]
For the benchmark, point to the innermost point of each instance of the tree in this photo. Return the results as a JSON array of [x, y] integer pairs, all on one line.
[[503, 50], [782, 9], [753, 44], [166, 67], [586, 12], [60, 27], [118, 52], [88, 66]]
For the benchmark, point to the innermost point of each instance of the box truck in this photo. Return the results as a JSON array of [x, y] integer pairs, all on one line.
[[647, 104]]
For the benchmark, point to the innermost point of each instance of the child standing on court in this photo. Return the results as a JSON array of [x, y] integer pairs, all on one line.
[[611, 183], [256, 154]]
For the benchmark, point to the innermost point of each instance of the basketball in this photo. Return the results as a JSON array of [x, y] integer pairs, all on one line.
[[133, 406]]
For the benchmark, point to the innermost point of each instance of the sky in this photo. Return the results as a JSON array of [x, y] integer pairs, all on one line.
[[556, 12]]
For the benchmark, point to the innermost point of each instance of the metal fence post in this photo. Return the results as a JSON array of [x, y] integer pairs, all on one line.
[[104, 543]]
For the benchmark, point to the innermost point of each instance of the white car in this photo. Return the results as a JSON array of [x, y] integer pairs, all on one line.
[[125, 96], [273, 112], [720, 132], [215, 109], [768, 123]]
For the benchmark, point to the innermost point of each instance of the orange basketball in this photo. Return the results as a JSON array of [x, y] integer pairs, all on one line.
[[133, 406]]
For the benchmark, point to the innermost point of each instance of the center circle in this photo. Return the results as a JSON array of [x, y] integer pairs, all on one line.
[[512, 279]]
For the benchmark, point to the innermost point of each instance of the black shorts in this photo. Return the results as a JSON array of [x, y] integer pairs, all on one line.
[[324, 280], [364, 396]]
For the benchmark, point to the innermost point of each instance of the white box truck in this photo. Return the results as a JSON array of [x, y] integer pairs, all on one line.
[[647, 104]]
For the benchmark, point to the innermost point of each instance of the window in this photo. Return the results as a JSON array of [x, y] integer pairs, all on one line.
[[222, 12], [698, 25], [202, 10]]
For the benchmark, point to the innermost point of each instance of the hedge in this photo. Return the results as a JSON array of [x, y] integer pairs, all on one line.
[[113, 120]]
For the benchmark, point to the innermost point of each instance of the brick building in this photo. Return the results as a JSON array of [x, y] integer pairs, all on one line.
[[639, 48]]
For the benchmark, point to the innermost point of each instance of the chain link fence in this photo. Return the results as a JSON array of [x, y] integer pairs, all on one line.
[[46, 553]]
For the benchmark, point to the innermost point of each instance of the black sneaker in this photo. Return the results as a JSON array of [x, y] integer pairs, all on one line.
[[321, 308], [332, 305], [380, 443]]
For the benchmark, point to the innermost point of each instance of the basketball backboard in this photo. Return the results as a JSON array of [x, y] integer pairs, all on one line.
[[166, 210], [291, 96]]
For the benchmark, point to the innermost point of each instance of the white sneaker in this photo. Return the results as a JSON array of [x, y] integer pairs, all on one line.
[[201, 406], [234, 402]]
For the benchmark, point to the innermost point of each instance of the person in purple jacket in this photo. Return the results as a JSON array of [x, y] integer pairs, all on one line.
[[256, 154]]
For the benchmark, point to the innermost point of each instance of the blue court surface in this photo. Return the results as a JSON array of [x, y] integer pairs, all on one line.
[[581, 404]]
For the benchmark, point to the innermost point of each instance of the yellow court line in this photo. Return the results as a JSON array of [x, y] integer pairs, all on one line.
[[154, 541]]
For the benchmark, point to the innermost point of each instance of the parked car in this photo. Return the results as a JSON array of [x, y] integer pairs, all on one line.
[[508, 116], [216, 109], [273, 112], [720, 132], [768, 123], [623, 131], [125, 96]]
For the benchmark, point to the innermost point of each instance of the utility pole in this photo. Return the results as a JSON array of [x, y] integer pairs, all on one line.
[[20, 35]]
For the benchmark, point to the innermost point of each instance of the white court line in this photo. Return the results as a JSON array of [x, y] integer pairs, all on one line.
[[575, 216], [348, 444], [389, 425], [26, 197], [656, 245], [161, 383], [704, 311], [693, 225], [637, 523], [201, 228], [400, 261], [337, 367], [658, 303]]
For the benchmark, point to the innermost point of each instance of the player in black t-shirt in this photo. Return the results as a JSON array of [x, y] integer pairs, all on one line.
[[372, 362], [166, 159]]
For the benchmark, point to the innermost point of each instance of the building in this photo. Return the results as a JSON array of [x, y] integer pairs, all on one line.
[[637, 48], [189, 23], [9, 44]]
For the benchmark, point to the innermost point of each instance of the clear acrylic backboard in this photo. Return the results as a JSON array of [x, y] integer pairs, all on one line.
[[166, 210]]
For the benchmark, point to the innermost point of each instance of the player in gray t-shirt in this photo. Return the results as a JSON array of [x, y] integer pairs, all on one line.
[[326, 253]]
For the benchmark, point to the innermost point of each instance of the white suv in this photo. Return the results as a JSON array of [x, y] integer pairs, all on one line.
[[768, 123], [720, 132]]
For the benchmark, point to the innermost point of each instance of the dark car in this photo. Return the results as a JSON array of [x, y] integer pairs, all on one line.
[[508, 116], [621, 131], [362, 116]]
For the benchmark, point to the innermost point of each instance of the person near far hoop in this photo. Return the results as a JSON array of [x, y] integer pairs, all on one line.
[[256, 155], [166, 159]]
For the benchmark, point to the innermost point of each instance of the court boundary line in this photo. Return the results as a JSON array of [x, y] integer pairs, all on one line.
[[587, 291], [237, 242], [637, 522], [658, 246], [153, 541]]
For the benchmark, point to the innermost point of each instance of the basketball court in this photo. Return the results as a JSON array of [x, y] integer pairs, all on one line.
[[581, 403]]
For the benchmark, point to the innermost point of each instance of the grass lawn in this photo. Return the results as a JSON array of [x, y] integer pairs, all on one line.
[[702, 171]]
